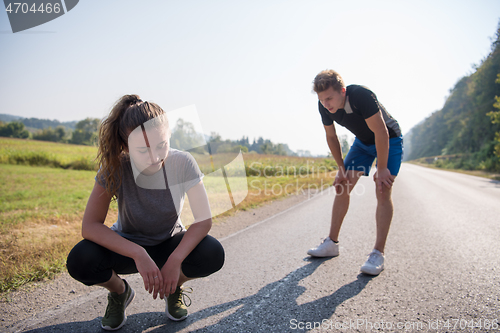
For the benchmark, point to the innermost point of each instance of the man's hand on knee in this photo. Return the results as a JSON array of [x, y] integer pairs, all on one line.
[[383, 178]]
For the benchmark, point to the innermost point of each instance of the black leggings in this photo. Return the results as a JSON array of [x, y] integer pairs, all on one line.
[[91, 263]]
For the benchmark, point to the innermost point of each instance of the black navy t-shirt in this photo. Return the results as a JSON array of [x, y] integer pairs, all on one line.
[[361, 103]]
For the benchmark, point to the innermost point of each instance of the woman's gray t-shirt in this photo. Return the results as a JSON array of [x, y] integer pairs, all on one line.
[[149, 207]]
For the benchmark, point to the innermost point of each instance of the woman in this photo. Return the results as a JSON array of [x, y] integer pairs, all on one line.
[[149, 180]]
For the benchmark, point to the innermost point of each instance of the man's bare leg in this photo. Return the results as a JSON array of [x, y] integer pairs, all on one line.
[[385, 210], [341, 203]]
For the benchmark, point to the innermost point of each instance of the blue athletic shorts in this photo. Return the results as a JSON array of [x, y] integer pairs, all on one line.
[[360, 157]]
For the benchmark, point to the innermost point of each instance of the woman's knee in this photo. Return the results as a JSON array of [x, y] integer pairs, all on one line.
[[83, 261], [214, 252], [206, 258]]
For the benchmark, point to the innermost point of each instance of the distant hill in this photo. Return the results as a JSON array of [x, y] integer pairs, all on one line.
[[462, 127], [7, 118], [38, 123]]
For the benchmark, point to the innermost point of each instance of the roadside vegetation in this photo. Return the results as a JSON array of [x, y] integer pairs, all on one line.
[[465, 133], [455, 163], [46, 185]]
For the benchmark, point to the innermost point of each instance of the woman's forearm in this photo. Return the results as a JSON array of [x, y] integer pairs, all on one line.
[[104, 236], [193, 236]]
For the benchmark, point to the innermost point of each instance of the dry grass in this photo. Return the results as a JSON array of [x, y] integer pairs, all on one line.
[[40, 220]]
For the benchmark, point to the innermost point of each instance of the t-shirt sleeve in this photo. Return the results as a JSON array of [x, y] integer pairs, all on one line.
[[365, 102], [100, 179], [192, 174], [327, 121]]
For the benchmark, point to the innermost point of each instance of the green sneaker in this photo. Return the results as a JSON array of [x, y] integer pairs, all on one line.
[[176, 307], [115, 317]]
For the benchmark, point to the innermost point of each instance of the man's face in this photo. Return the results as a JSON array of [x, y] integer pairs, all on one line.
[[332, 100], [148, 148]]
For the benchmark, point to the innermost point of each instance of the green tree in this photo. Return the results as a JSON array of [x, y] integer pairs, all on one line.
[[14, 130], [267, 148], [185, 137], [462, 127], [85, 132], [495, 119], [244, 149], [49, 134], [214, 141], [229, 148], [279, 149]]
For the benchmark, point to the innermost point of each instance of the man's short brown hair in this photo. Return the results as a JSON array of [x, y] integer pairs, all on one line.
[[326, 79]]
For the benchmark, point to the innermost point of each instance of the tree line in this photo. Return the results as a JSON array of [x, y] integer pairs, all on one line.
[[183, 137], [466, 131], [84, 132]]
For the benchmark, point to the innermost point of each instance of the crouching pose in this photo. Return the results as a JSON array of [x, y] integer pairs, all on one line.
[[149, 180]]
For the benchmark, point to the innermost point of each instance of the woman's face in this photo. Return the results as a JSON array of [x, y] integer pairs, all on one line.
[[148, 147]]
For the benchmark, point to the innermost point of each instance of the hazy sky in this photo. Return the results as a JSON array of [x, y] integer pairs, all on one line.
[[247, 66]]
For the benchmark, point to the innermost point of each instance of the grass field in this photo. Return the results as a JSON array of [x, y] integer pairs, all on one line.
[[41, 207], [43, 153]]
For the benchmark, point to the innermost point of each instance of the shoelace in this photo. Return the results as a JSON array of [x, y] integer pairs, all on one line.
[[183, 294]]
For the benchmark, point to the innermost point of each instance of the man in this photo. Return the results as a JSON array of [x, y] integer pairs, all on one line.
[[378, 135]]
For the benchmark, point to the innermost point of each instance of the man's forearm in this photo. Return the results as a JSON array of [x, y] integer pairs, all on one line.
[[334, 145], [382, 147]]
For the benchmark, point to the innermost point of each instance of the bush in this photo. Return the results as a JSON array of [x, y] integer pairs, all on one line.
[[83, 164], [33, 159], [14, 130], [45, 159], [50, 134]]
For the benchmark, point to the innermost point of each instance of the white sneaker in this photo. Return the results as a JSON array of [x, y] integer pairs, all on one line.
[[375, 263], [326, 249]]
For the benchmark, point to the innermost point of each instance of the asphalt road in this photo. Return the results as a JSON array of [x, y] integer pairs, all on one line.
[[442, 269]]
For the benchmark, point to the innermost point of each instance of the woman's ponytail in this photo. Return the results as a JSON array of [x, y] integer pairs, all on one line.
[[113, 142], [128, 113]]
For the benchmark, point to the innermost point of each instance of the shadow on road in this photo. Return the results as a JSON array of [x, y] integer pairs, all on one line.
[[273, 308], [494, 183]]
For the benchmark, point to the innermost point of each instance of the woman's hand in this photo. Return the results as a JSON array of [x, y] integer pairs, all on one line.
[[170, 272], [94, 229], [151, 274]]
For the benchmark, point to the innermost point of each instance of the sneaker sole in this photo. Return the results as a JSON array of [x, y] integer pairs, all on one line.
[[321, 256], [371, 272], [173, 318], [108, 328], [130, 299]]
